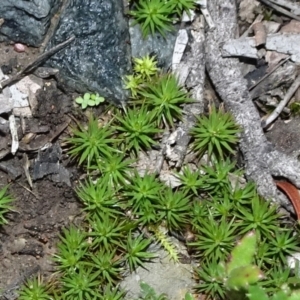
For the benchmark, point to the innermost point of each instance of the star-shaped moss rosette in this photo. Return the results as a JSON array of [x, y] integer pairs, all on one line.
[[215, 133], [145, 66], [165, 97], [153, 16]]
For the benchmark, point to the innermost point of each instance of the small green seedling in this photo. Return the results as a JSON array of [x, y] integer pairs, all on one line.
[[34, 289], [295, 108], [189, 296], [145, 66], [5, 204], [148, 293], [89, 100]]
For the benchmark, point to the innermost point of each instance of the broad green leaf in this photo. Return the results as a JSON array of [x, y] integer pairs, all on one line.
[[86, 96], [242, 277], [257, 293], [242, 254], [295, 296], [79, 100]]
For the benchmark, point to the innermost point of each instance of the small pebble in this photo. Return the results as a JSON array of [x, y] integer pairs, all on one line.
[[6, 263], [18, 47]]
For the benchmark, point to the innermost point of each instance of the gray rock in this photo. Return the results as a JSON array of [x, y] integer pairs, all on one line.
[[164, 276], [26, 21], [155, 44], [100, 55], [6, 101], [48, 163]]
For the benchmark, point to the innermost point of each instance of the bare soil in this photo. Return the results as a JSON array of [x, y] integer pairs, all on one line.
[[29, 239]]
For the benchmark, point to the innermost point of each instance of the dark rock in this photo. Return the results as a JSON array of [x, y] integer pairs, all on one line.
[[6, 69], [53, 104], [34, 126], [4, 127], [286, 136], [26, 21], [283, 76], [12, 168], [48, 163], [100, 55], [32, 248], [155, 44]]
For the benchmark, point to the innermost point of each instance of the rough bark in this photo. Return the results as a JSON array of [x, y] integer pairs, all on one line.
[[262, 160], [195, 63]]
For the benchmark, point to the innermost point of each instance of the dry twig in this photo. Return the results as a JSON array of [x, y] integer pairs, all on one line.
[[293, 88], [33, 65], [280, 9]]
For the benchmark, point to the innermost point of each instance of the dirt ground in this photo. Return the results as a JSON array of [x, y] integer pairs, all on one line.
[[28, 241]]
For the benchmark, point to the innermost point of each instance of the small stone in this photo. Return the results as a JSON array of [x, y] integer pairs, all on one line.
[[6, 263], [18, 47], [17, 245]]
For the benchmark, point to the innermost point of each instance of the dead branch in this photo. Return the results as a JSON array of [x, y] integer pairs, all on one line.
[[291, 91], [280, 9], [33, 65], [262, 160]]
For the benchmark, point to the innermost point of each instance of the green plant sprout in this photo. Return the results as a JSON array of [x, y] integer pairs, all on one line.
[[173, 207], [133, 83], [146, 66], [89, 100], [164, 97], [165, 242], [295, 108], [111, 293], [260, 216], [136, 251], [98, 197], [5, 205], [137, 131], [191, 182], [72, 249], [153, 15], [141, 191], [148, 293], [34, 289], [183, 5], [115, 170], [91, 144], [81, 285], [215, 179], [158, 15], [108, 232], [145, 70], [214, 239], [216, 133], [107, 265]]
